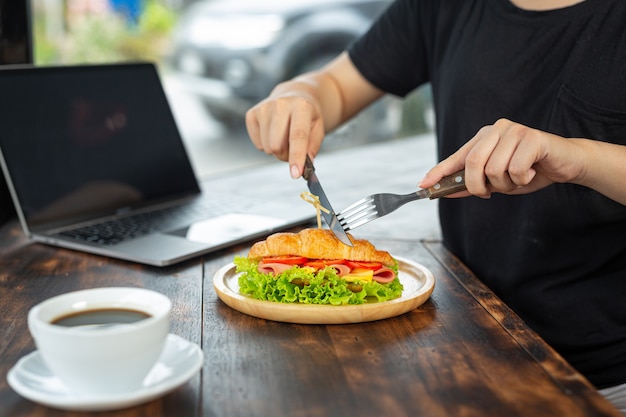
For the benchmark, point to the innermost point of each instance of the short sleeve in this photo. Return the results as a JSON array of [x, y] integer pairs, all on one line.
[[392, 54]]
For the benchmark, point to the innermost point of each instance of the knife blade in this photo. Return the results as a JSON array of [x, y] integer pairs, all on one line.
[[316, 189]]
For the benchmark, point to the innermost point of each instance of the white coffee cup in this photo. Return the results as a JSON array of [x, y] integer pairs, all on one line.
[[101, 359]]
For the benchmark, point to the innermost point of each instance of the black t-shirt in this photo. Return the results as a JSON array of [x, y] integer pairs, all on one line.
[[557, 256]]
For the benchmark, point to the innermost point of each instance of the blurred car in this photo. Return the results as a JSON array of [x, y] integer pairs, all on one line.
[[231, 53]]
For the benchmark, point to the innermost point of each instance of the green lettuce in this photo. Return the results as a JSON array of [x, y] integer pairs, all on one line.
[[300, 285]]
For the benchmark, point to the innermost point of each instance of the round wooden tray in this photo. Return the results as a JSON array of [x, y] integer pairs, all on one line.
[[418, 281]]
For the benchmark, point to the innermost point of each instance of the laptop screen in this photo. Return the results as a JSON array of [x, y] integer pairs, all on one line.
[[79, 140], [15, 48]]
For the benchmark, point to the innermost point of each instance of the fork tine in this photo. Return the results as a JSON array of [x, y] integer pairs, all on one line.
[[363, 219], [359, 213], [355, 215], [358, 206]]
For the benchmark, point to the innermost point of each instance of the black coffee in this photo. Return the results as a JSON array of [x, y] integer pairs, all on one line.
[[101, 317]]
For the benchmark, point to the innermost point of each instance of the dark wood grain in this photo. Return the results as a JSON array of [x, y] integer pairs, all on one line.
[[462, 353], [30, 273], [564, 376]]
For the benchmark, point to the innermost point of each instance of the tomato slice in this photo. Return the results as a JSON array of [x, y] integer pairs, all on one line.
[[322, 263], [286, 259], [365, 265]]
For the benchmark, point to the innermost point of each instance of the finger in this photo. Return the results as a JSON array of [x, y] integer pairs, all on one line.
[[497, 166], [264, 114], [436, 173], [261, 116], [299, 133], [317, 136], [529, 151], [483, 145], [276, 135], [448, 166], [306, 133], [252, 126]]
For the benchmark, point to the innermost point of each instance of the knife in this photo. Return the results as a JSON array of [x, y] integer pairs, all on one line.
[[329, 215]]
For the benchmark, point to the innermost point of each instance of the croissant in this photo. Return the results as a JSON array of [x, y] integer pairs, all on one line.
[[318, 244]]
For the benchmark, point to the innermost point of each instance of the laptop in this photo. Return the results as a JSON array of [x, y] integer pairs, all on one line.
[[92, 156]]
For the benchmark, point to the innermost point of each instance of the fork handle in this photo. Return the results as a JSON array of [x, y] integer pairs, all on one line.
[[448, 185]]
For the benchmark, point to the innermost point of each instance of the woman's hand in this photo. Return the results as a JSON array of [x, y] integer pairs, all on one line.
[[292, 121], [511, 158], [287, 124]]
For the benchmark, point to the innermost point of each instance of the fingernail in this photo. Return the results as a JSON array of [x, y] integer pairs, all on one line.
[[295, 172]]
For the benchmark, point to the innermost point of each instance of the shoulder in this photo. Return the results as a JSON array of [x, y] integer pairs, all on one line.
[[395, 53]]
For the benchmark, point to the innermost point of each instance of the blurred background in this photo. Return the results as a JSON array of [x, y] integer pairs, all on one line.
[[219, 57]]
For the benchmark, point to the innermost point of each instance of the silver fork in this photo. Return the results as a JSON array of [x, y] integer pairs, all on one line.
[[379, 205]]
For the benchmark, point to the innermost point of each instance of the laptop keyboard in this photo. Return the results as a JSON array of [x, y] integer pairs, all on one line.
[[125, 228]]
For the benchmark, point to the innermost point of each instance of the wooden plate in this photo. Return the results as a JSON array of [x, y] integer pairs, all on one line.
[[418, 283]]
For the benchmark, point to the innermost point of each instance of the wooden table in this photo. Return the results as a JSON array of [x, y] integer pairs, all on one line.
[[462, 353]]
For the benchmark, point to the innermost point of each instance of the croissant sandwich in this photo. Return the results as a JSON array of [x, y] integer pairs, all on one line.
[[314, 267]]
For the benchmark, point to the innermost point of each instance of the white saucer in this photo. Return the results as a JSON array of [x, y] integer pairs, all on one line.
[[180, 360]]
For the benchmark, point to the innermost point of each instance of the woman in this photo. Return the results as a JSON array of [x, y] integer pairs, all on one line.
[[529, 97]]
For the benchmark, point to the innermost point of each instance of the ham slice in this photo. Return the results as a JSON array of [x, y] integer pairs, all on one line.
[[273, 268], [384, 275], [341, 269]]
